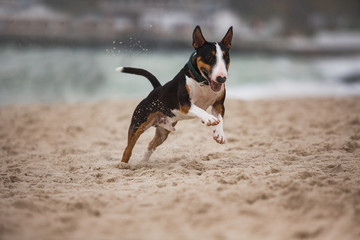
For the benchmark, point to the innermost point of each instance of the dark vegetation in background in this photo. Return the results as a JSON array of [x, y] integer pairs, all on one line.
[[298, 16], [74, 7], [302, 16]]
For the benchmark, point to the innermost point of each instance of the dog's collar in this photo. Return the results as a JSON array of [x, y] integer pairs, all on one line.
[[194, 74]]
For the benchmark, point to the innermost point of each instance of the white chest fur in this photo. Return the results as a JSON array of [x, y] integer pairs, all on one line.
[[202, 95]]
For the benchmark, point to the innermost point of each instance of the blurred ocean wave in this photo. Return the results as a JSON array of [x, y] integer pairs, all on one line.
[[32, 75]]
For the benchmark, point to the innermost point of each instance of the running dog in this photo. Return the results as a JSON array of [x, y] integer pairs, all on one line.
[[198, 85]]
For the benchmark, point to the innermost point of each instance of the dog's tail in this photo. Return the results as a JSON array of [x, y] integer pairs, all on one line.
[[142, 72]]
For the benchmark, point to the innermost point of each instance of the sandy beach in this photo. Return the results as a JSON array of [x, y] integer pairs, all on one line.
[[290, 170]]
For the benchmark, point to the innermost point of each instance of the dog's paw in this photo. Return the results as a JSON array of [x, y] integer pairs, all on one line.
[[219, 136], [210, 120]]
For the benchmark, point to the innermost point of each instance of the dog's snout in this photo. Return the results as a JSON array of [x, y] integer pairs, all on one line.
[[220, 79]]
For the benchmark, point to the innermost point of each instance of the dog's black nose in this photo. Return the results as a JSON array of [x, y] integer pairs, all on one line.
[[221, 79]]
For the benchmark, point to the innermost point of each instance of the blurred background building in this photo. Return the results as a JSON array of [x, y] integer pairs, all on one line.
[[272, 25]]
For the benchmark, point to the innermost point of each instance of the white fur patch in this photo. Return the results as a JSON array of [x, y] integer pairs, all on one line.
[[119, 69], [202, 95], [219, 70], [219, 135], [204, 116], [147, 155]]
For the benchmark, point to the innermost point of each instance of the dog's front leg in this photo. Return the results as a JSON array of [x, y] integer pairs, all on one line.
[[219, 135], [205, 117]]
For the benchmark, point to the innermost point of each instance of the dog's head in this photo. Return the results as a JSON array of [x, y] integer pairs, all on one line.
[[212, 58]]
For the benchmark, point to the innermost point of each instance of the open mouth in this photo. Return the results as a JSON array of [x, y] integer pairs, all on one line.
[[215, 86]]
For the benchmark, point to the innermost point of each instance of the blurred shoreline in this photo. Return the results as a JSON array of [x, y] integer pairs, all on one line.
[[301, 46], [58, 74]]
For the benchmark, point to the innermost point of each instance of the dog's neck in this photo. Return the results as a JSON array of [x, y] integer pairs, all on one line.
[[194, 73]]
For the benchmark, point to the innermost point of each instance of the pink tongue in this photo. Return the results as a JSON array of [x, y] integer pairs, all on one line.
[[215, 86]]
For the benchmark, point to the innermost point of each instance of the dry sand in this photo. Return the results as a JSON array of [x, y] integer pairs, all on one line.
[[290, 170]]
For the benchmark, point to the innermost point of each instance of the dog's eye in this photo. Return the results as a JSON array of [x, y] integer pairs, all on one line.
[[209, 57]]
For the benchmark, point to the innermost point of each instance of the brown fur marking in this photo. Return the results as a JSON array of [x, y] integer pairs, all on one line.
[[201, 64], [133, 137], [185, 108], [218, 104]]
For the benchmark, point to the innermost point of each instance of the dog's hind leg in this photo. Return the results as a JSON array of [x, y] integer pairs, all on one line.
[[133, 136], [161, 135], [136, 128]]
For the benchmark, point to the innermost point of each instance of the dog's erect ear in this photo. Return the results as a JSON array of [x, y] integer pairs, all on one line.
[[198, 38], [228, 37]]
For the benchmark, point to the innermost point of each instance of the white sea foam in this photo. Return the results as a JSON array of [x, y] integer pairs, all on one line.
[[292, 90]]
